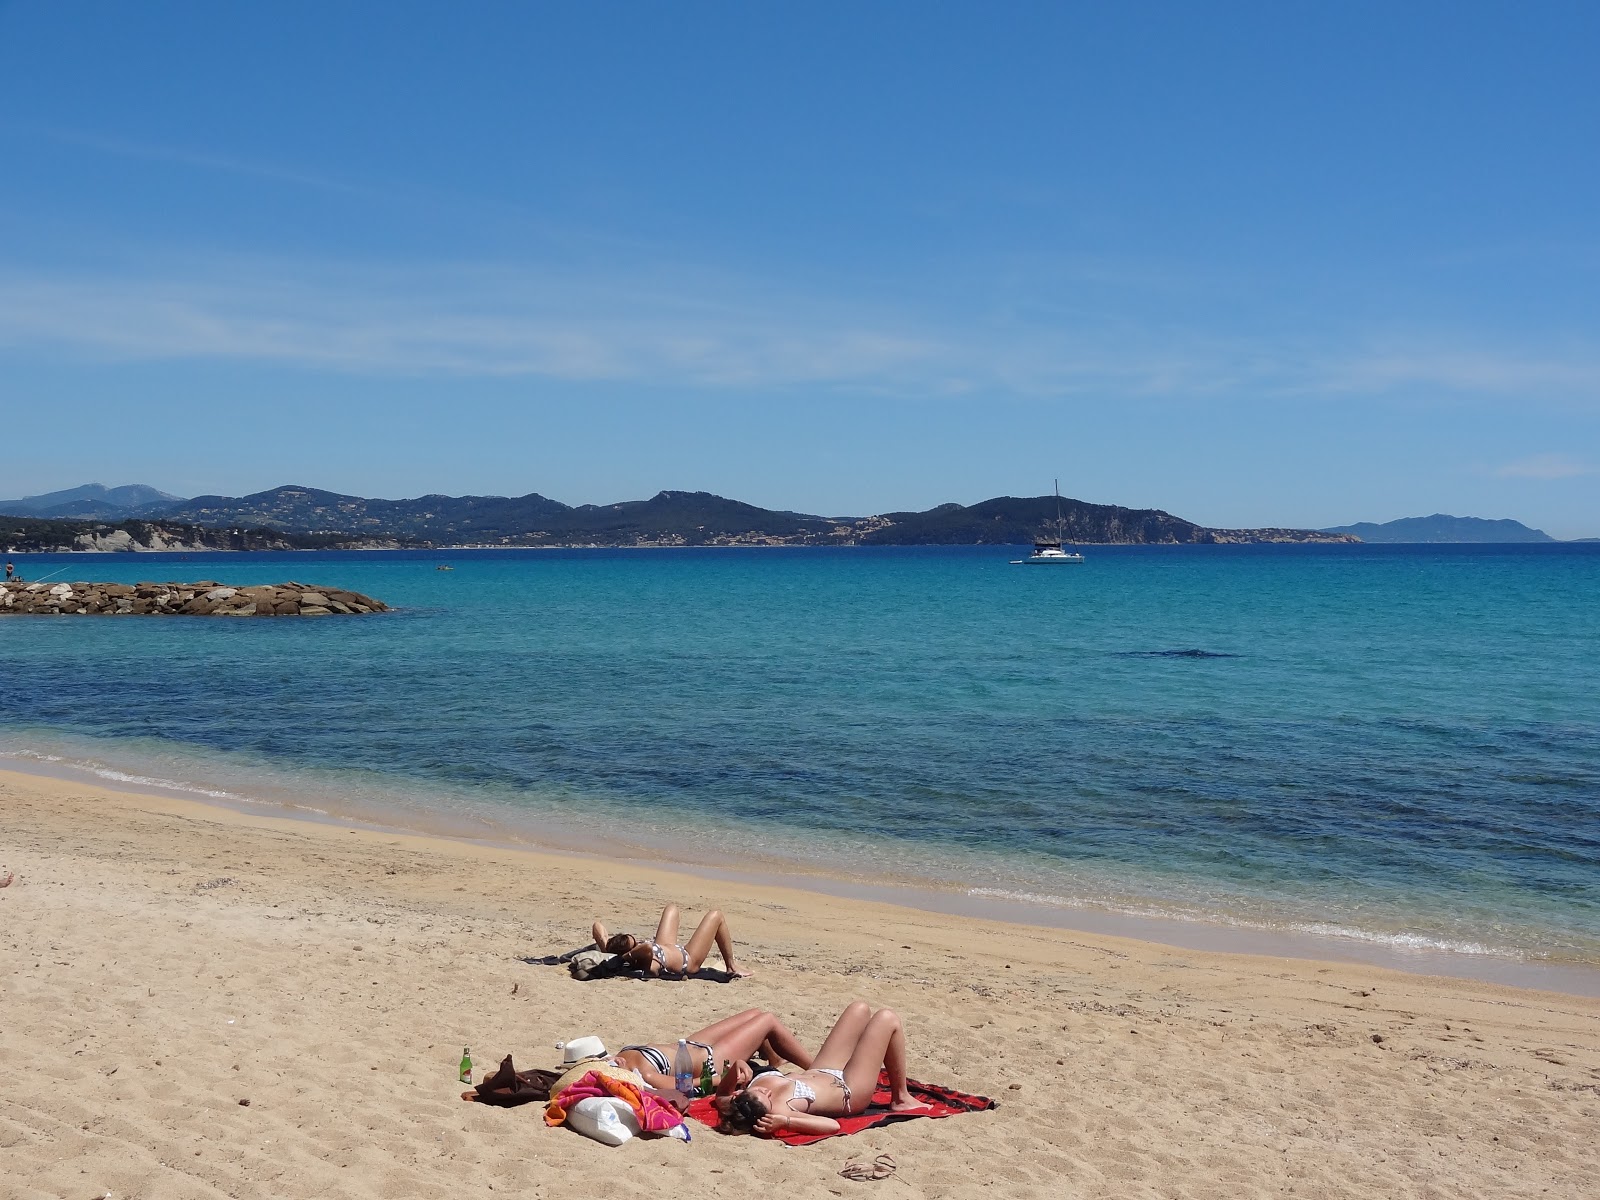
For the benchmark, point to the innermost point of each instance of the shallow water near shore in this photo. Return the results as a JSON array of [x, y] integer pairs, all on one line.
[[1380, 747]]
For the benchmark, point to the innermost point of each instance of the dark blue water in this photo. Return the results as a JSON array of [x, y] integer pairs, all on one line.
[[1399, 744]]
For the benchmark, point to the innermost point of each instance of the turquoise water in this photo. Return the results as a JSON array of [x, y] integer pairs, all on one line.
[[1398, 745]]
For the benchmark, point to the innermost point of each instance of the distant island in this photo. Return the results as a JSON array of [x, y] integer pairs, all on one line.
[[1443, 528], [293, 517]]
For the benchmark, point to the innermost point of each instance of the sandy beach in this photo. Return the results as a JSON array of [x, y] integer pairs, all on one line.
[[164, 961]]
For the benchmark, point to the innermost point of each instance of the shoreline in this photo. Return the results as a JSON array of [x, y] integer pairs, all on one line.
[[167, 960], [1203, 934]]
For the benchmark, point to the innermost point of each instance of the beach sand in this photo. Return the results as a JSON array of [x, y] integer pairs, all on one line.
[[162, 961]]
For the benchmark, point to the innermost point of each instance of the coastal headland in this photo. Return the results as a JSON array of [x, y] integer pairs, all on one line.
[[165, 962], [203, 599]]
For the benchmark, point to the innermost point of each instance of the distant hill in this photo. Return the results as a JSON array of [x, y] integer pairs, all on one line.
[[304, 509], [90, 502], [670, 518], [54, 535], [1443, 528], [1012, 521]]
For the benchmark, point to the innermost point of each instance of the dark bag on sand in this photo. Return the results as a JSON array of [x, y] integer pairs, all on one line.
[[509, 1087], [607, 966]]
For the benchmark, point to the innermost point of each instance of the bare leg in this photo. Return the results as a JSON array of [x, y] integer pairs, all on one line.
[[882, 1043], [713, 927], [718, 1030], [715, 1035], [774, 1056], [757, 1029], [780, 1045], [740, 1036], [667, 927], [841, 1041], [601, 937]]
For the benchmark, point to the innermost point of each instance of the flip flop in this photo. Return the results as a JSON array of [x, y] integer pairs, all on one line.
[[879, 1168]]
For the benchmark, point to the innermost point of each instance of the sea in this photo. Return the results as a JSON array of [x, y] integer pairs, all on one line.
[[1380, 753]]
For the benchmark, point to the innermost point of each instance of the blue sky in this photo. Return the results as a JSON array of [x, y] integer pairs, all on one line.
[[1278, 263]]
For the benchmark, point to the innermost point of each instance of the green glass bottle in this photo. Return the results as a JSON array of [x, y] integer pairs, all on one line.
[[466, 1065], [708, 1082]]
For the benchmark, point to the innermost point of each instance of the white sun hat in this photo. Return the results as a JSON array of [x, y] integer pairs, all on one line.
[[580, 1049]]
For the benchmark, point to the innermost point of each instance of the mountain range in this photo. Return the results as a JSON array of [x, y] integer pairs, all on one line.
[[294, 515], [670, 518]]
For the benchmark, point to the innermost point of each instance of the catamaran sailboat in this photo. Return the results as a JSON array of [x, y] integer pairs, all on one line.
[[1048, 550]]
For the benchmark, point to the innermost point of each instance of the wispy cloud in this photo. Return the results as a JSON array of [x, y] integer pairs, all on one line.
[[1544, 466], [680, 325], [1461, 368], [456, 320], [200, 160]]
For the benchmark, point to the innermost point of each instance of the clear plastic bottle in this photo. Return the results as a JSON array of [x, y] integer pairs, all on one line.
[[683, 1068]]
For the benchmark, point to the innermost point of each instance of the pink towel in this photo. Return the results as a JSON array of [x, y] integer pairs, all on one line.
[[655, 1115]]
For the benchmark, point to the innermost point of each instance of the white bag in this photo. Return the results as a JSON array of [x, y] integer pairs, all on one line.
[[603, 1118]]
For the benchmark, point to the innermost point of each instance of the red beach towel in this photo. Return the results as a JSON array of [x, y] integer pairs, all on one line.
[[941, 1102]]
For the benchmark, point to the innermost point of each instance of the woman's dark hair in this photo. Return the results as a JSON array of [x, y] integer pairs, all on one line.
[[620, 943], [744, 1110]]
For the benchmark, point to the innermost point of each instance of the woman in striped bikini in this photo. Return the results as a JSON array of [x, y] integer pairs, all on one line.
[[732, 1039], [662, 956]]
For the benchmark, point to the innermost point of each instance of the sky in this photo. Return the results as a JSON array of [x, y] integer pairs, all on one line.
[[1284, 263]]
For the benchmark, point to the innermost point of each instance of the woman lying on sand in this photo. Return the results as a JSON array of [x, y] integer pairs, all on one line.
[[839, 1081], [732, 1039], [663, 956]]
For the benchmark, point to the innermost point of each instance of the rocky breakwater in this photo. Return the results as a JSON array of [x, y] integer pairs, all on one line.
[[205, 599]]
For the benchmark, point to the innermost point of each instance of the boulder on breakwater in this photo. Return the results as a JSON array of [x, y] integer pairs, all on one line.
[[205, 599]]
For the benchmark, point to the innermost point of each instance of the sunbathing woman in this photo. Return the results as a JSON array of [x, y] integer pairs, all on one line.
[[732, 1039], [838, 1082], [663, 956]]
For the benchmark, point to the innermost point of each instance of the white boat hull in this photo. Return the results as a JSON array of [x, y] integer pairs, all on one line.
[[1048, 560]]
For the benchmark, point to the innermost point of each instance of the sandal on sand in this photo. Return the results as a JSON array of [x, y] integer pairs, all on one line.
[[879, 1168]]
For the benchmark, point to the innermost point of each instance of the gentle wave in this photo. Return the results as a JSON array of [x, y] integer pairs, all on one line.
[[1320, 929], [918, 870], [1408, 941], [99, 769]]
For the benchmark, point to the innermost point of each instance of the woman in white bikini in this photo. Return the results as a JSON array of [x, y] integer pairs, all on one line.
[[732, 1039], [838, 1082], [662, 956]]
